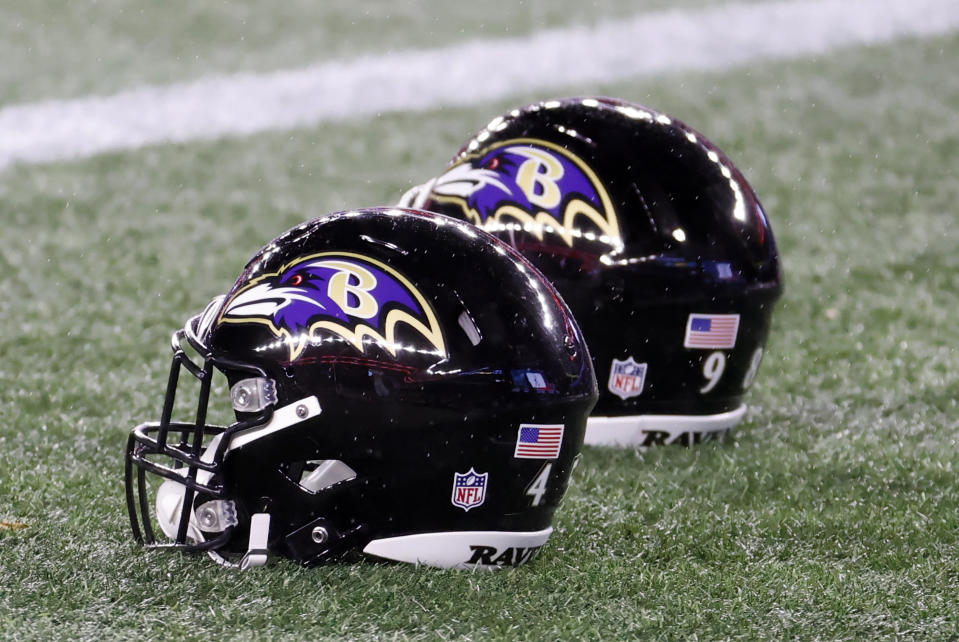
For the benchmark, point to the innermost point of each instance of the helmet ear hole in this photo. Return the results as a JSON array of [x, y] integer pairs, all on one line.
[[318, 475]]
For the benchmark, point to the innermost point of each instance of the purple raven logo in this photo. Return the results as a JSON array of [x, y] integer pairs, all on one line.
[[540, 186], [348, 295]]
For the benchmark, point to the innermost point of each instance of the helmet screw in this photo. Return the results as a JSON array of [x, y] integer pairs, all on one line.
[[319, 535], [301, 411], [207, 517]]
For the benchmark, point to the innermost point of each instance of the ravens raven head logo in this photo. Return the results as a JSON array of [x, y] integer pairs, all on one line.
[[539, 185], [337, 295]]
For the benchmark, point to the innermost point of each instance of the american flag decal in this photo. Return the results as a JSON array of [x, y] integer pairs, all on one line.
[[536, 441], [711, 331]]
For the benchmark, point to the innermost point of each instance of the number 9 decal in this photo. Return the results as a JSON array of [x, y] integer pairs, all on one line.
[[713, 369]]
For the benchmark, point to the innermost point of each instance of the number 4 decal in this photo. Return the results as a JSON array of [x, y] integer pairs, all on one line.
[[537, 488]]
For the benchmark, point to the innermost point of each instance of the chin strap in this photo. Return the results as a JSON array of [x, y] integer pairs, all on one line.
[[256, 550], [256, 553]]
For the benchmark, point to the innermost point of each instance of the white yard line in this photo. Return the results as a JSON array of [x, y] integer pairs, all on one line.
[[468, 73]]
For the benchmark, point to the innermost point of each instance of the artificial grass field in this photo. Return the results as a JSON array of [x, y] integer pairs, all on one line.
[[832, 512]]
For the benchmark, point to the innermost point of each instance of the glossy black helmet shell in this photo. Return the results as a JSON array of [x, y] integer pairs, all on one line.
[[430, 392], [653, 237]]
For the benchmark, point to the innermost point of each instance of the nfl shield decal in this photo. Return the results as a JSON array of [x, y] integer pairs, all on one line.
[[469, 489], [626, 378]]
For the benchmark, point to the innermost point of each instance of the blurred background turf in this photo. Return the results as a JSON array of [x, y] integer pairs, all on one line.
[[830, 513]]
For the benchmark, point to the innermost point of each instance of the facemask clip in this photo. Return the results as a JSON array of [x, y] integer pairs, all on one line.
[[253, 394], [256, 554]]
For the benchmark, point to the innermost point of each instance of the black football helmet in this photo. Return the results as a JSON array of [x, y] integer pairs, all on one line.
[[655, 240], [404, 385]]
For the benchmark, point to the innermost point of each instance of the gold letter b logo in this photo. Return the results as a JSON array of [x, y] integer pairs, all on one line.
[[538, 175], [353, 298]]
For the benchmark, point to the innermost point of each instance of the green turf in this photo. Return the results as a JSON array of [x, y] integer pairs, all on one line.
[[57, 48], [833, 513]]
